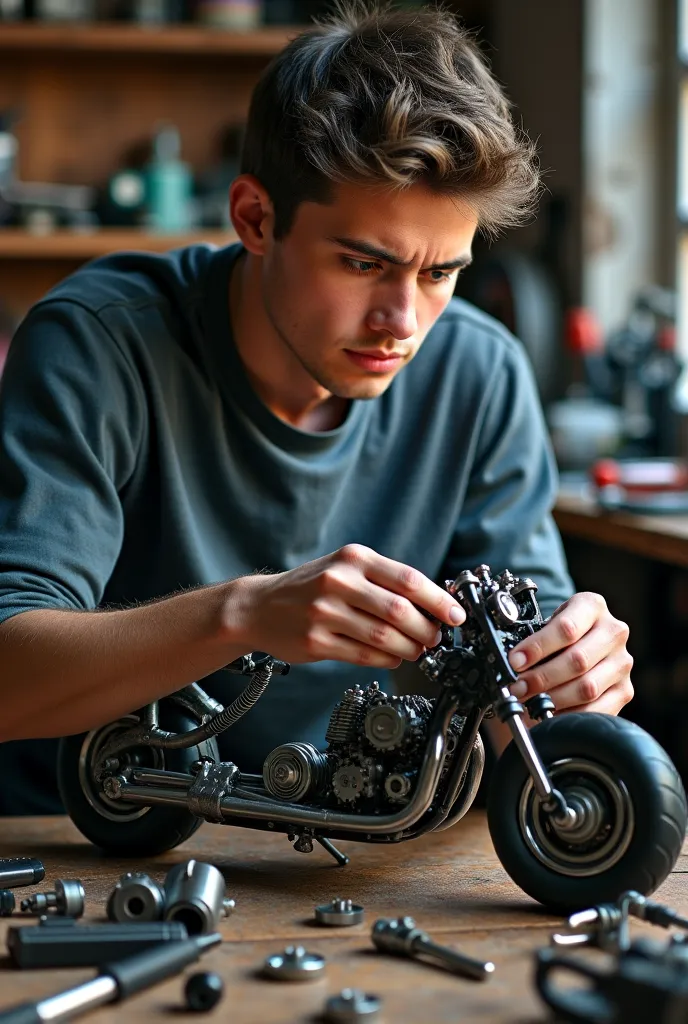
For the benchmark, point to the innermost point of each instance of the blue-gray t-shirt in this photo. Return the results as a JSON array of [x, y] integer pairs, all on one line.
[[137, 460]]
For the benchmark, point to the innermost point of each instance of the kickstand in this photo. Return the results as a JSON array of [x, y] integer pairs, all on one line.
[[340, 857]]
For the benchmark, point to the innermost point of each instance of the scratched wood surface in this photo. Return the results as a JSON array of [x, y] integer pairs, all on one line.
[[451, 882]]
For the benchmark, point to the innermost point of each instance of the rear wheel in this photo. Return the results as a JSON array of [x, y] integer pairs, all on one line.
[[630, 804], [114, 825]]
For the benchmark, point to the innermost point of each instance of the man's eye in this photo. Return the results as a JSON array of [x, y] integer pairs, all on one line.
[[358, 266], [438, 276]]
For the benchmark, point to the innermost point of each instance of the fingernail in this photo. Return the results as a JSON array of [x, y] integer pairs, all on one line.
[[518, 660], [456, 615], [438, 637], [519, 689]]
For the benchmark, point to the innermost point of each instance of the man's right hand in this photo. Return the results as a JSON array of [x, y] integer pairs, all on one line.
[[353, 605]]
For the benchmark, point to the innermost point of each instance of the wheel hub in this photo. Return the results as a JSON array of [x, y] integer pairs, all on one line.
[[598, 832], [96, 790]]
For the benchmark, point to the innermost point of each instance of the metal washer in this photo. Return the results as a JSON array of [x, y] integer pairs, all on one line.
[[294, 964], [339, 913], [352, 1005]]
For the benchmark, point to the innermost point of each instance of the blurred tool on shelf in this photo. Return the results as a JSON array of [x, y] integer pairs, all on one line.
[[626, 403]]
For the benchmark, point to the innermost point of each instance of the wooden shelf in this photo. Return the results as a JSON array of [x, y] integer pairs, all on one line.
[[16, 243], [124, 38]]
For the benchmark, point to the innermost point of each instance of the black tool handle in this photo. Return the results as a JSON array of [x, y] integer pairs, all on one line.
[[139, 972], [25, 1013], [59, 942]]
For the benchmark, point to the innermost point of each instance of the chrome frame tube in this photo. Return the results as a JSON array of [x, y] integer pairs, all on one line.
[[297, 814]]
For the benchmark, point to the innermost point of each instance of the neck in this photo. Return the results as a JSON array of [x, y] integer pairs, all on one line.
[[276, 375]]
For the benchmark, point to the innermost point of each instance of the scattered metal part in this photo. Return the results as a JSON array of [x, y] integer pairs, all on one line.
[[18, 871], [294, 964], [339, 913], [136, 897], [352, 1005], [203, 991], [401, 936], [66, 900], [195, 895], [7, 903], [607, 924]]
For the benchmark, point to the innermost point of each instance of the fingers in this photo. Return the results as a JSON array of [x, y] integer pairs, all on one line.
[[607, 684], [333, 647], [610, 703], [576, 661], [392, 592], [569, 623], [341, 619]]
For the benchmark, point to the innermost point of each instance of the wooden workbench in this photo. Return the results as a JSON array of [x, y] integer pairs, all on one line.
[[451, 882]]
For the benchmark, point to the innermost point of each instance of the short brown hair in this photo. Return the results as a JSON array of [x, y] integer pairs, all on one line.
[[380, 95]]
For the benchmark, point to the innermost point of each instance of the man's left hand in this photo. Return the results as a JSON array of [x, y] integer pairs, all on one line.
[[579, 658]]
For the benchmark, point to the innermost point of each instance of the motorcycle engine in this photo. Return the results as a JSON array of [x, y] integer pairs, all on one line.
[[375, 748]]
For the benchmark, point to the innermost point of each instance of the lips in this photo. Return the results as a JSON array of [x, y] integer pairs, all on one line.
[[375, 360]]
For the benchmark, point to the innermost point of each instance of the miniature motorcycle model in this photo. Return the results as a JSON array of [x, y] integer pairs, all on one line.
[[581, 807]]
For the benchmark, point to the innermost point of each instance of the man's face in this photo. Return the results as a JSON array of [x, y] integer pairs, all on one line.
[[356, 285]]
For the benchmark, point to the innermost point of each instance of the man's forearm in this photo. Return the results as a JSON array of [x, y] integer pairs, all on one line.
[[63, 672]]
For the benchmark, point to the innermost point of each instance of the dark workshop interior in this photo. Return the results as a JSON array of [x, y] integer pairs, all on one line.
[[121, 129]]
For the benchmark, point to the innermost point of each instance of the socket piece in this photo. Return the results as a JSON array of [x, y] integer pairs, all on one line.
[[352, 1005], [136, 897], [195, 895], [66, 900], [294, 964], [339, 913]]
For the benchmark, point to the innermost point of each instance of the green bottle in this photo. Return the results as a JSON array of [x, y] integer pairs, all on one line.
[[169, 184]]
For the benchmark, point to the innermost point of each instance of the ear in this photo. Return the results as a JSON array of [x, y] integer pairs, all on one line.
[[252, 213]]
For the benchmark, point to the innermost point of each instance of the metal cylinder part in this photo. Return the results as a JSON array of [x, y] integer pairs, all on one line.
[[136, 897], [293, 770], [67, 899], [195, 895]]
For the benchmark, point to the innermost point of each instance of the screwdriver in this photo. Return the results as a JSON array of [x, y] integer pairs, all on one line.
[[114, 982]]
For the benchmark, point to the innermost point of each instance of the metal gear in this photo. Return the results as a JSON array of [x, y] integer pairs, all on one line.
[[352, 781]]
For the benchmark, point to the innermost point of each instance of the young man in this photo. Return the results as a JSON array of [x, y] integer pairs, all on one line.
[[288, 444]]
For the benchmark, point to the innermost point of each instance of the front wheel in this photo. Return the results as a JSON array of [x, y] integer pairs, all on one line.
[[630, 804], [113, 825]]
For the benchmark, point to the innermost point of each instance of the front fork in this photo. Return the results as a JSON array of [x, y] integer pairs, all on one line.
[[510, 712]]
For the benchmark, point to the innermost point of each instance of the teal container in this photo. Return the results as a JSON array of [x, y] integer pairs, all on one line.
[[169, 185]]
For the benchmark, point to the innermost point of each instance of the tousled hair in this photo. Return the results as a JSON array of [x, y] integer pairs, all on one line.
[[383, 96]]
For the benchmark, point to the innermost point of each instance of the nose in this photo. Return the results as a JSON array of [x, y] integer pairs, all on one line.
[[394, 311]]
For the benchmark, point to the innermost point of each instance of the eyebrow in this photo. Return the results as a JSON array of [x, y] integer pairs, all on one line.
[[358, 245]]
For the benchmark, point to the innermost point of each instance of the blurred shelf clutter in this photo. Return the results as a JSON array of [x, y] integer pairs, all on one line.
[[121, 126], [235, 15]]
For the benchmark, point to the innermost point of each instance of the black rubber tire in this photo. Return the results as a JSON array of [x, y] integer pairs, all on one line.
[[159, 828], [654, 789]]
